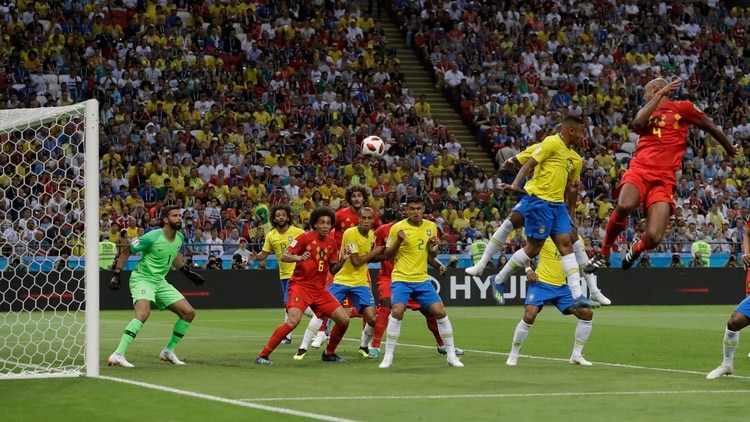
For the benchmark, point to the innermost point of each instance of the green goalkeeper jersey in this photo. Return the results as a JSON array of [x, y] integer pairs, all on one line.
[[157, 255]]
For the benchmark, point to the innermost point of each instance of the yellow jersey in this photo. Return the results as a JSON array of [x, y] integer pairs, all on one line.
[[276, 243], [550, 268], [410, 264], [557, 164], [349, 275]]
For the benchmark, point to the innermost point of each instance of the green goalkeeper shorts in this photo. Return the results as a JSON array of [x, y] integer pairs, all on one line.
[[162, 294]]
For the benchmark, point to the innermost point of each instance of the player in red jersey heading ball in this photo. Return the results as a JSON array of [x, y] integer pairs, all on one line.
[[662, 126]]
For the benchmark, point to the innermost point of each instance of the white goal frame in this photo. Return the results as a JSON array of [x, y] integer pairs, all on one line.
[[19, 119]]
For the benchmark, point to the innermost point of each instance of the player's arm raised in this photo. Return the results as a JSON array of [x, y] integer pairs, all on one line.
[[432, 247], [640, 122], [187, 272], [707, 125]]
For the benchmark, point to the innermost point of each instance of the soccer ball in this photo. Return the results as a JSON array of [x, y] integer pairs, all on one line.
[[373, 146], [244, 260]]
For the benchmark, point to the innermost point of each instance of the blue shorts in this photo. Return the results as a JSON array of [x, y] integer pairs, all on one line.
[[744, 307], [544, 219], [284, 288], [521, 205], [361, 296], [423, 293], [541, 293]]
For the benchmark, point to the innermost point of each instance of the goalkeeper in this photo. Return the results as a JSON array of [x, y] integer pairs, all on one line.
[[159, 251]]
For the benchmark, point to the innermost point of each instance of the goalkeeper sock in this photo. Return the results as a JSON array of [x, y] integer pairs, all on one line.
[[129, 335], [279, 334], [178, 332], [432, 325], [337, 333], [380, 325]]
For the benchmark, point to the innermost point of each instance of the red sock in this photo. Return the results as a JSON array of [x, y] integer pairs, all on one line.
[[617, 223], [643, 245], [279, 334], [337, 333], [380, 326], [433, 326], [324, 325]]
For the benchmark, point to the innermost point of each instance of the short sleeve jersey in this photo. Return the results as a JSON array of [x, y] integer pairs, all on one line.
[[277, 243], [349, 275], [410, 264], [157, 255], [663, 141], [556, 165], [312, 272]]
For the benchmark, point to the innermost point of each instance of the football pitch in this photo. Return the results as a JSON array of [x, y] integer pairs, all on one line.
[[649, 362]]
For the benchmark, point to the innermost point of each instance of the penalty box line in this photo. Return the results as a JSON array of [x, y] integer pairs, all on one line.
[[274, 409]]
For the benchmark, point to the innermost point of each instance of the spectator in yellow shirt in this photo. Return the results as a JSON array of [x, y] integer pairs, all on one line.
[[604, 159], [605, 206]]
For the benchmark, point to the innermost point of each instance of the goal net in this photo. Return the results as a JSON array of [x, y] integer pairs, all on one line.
[[49, 240]]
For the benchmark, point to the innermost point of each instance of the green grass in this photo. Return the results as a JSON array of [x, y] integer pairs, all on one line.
[[649, 365]]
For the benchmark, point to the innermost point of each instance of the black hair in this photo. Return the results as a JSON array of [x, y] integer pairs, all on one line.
[[166, 210], [415, 200], [322, 212]]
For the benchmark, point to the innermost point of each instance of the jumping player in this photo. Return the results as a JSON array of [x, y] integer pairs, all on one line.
[[662, 126]]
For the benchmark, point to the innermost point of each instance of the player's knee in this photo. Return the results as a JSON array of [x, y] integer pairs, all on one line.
[[398, 311], [654, 237], [584, 314], [188, 314], [737, 321]]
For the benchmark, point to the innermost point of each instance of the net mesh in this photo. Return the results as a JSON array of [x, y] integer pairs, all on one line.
[[42, 191]]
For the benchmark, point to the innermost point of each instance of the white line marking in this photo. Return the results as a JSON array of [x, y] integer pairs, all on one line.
[[616, 365], [309, 415], [501, 395]]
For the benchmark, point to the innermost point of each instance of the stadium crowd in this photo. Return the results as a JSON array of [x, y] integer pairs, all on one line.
[[227, 108]]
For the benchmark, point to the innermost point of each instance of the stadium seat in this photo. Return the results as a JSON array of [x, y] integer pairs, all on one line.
[[18, 87], [45, 24], [483, 196], [451, 239], [184, 16], [190, 59], [53, 88], [447, 229], [238, 27], [628, 147], [619, 156], [51, 78], [264, 152], [436, 197]]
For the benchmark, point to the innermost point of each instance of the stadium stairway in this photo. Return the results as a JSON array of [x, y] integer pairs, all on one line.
[[420, 81]]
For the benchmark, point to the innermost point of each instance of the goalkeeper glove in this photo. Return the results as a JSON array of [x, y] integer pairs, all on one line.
[[114, 282], [192, 275]]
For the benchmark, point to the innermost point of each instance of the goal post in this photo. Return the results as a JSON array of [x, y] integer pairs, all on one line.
[[49, 240]]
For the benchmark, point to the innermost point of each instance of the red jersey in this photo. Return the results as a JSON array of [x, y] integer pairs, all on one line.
[[663, 141], [346, 218], [312, 272], [381, 236]]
